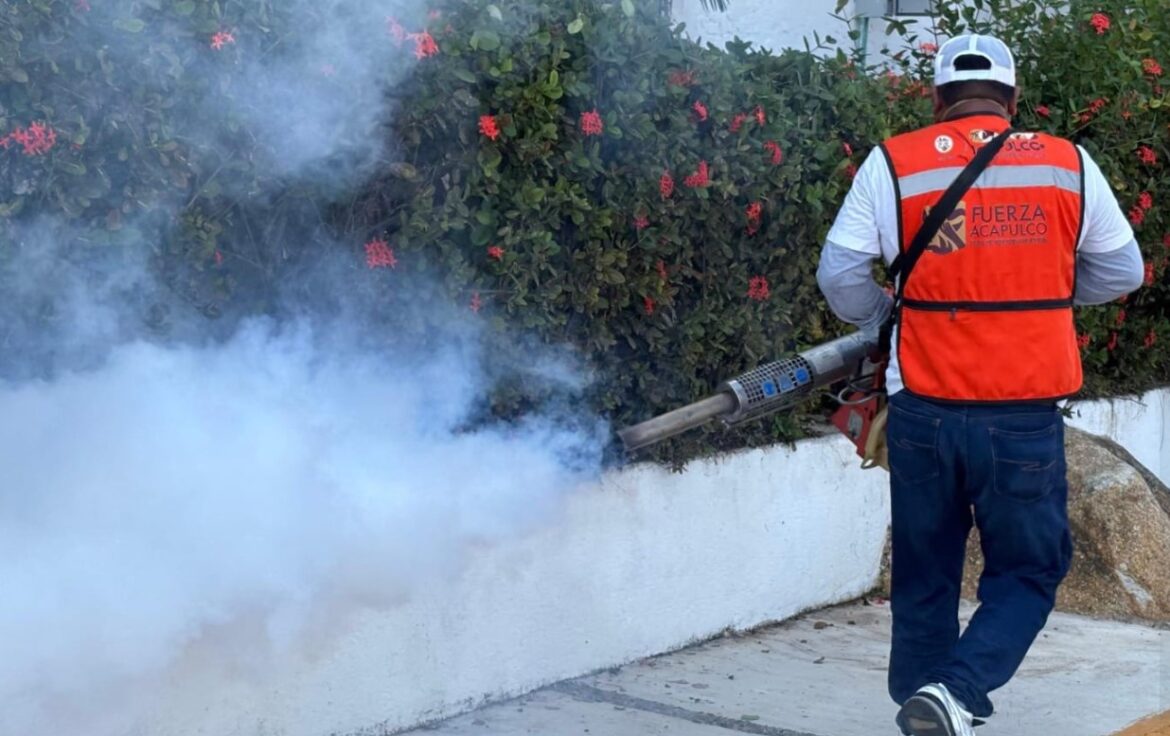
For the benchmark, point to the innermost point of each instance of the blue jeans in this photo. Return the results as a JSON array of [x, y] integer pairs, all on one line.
[[1003, 469]]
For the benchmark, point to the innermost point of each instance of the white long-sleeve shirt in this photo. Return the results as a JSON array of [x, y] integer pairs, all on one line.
[[1109, 262]]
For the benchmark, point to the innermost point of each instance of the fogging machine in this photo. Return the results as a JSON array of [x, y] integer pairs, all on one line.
[[783, 384]]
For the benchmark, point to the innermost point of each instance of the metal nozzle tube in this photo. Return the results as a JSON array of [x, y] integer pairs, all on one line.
[[678, 421]]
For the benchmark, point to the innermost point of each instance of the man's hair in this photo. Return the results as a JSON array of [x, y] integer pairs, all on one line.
[[952, 93]]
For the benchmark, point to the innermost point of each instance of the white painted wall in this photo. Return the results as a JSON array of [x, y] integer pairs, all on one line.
[[773, 24], [645, 562], [1140, 424]]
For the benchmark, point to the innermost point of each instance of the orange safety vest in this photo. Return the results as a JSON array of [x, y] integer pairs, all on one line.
[[987, 313]]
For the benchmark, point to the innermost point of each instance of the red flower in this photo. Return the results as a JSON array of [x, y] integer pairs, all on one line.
[[1145, 200], [848, 149], [424, 45], [1151, 338], [1100, 22], [1120, 318], [1151, 67], [1147, 155], [761, 118], [661, 268], [37, 139], [1084, 340], [218, 257], [700, 110], [679, 78], [1112, 342], [379, 254], [774, 148], [496, 253], [641, 222], [1042, 111], [754, 210], [488, 126], [928, 48], [395, 29], [221, 39], [758, 288], [737, 122], [850, 171], [648, 305], [1149, 274], [700, 178], [591, 123], [666, 185], [1137, 215], [476, 302]]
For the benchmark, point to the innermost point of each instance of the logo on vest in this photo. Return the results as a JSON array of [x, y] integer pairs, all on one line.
[[1017, 142], [990, 225], [944, 144], [952, 234]]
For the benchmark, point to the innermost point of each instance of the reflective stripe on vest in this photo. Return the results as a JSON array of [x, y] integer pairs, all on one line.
[[987, 312]]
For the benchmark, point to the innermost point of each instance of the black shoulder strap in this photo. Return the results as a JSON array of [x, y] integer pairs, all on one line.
[[905, 261], [902, 266]]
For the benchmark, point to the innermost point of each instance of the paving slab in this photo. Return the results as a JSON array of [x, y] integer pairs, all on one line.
[[823, 674]]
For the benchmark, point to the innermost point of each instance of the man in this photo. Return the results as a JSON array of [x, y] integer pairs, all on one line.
[[984, 346]]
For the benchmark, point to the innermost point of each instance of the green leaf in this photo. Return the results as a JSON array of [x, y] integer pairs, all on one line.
[[465, 75], [130, 25], [628, 8], [186, 7], [485, 40], [18, 75], [576, 26], [494, 12]]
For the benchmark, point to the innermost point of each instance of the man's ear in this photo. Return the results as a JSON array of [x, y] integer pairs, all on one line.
[[939, 109]]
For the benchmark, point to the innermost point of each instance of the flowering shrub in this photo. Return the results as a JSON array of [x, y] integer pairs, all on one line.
[[572, 169], [659, 205]]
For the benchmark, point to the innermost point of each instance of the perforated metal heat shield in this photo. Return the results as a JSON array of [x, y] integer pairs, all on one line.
[[788, 381]]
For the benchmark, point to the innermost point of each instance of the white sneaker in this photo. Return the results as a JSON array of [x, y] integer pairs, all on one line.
[[933, 711]]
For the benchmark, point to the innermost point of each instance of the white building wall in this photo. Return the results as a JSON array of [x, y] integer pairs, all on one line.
[[645, 562], [781, 24]]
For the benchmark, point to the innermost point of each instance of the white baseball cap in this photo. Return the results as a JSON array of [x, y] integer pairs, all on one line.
[[1000, 66]]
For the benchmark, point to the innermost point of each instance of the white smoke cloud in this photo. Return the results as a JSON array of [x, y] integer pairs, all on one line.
[[235, 501], [276, 483]]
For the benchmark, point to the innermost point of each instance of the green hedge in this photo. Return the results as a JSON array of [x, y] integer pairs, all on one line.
[[571, 170]]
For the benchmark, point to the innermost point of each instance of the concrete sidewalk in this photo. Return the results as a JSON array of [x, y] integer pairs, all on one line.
[[823, 674]]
